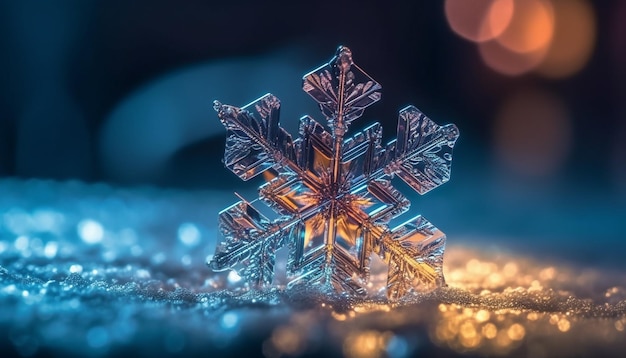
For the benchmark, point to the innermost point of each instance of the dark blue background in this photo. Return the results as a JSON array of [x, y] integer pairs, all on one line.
[[121, 92]]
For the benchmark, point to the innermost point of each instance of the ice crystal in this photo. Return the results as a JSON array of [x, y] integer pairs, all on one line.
[[333, 197]]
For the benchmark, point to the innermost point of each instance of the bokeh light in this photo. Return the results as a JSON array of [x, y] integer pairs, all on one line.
[[90, 231], [505, 61], [532, 133], [524, 43], [553, 37], [531, 27], [573, 41], [479, 20]]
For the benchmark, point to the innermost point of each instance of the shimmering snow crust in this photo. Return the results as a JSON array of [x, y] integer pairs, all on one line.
[[92, 270]]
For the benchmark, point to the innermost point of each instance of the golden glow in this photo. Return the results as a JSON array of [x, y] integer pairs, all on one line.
[[563, 325], [489, 331], [482, 316], [505, 61], [314, 228], [516, 332], [286, 340], [531, 27], [573, 41], [479, 20], [553, 37], [268, 175], [366, 344], [347, 230], [495, 305]]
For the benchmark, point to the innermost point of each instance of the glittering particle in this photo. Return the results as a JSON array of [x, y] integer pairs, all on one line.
[[229, 320], [189, 234], [482, 315], [516, 332], [90, 231], [366, 344], [233, 277], [490, 331], [563, 325], [21, 243], [76, 268], [143, 274], [51, 248]]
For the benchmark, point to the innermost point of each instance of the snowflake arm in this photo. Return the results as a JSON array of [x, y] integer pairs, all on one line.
[[255, 140], [325, 85], [414, 253], [251, 241], [422, 153]]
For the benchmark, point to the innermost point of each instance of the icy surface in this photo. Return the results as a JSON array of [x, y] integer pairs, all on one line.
[[92, 270], [334, 198]]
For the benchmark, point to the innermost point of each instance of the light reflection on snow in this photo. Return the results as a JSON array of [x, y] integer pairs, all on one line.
[[136, 278]]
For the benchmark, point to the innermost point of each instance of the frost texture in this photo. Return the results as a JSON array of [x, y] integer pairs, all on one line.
[[334, 197]]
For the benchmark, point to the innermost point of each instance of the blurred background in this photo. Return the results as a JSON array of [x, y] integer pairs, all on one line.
[[121, 92]]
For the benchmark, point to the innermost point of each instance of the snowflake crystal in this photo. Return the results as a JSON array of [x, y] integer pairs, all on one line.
[[333, 196]]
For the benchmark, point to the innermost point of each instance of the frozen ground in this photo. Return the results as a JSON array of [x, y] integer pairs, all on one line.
[[91, 270]]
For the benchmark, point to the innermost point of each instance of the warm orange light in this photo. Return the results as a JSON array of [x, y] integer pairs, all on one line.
[[499, 17], [530, 28], [314, 227], [573, 40], [479, 20], [366, 344], [507, 62], [553, 37]]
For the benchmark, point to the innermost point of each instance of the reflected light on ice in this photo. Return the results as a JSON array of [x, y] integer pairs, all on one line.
[[157, 289], [497, 305], [233, 277]]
